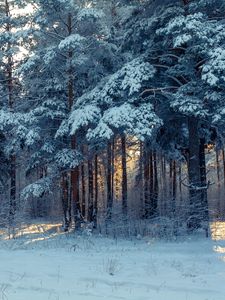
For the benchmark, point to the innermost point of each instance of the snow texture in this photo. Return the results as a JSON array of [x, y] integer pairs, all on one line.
[[51, 265]]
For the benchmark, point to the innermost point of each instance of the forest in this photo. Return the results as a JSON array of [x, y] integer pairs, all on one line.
[[112, 114], [112, 149]]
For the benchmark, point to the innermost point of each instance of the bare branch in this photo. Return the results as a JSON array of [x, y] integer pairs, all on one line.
[[160, 90], [197, 187]]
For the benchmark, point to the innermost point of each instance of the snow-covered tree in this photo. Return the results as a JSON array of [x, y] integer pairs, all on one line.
[[14, 34], [80, 81], [71, 53]]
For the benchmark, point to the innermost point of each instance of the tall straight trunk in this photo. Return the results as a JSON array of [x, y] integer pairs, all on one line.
[[117, 185], [124, 175], [171, 178], [75, 193], [109, 182], [12, 204], [113, 167], [90, 191], [151, 184], [161, 180], [174, 198], [65, 200], [102, 176], [163, 183], [195, 212], [174, 186], [75, 172], [70, 193], [66, 197], [223, 155], [76, 197], [164, 166], [204, 200], [180, 181], [83, 192], [164, 175], [39, 207], [140, 182], [147, 203], [155, 185], [9, 75], [95, 214], [217, 167]]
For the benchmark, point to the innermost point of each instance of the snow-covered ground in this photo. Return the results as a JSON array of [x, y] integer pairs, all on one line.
[[56, 266]]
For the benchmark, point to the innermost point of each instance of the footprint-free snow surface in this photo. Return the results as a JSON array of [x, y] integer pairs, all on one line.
[[70, 267]]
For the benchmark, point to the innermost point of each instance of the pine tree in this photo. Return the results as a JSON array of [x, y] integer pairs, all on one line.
[[14, 34]]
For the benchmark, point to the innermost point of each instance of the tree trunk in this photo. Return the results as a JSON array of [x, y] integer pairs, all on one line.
[[204, 200], [164, 184], [113, 167], [109, 182], [90, 191], [83, 189], [180, 181], [65, 198], [146, 183], [140, 181], [174, 187], [155, 185], [95, 215], [124, 175], [223, 154], [171, 179], [76, 197], [217, 167], [12, 204], [70, 200], [151, 184], [195, 213]]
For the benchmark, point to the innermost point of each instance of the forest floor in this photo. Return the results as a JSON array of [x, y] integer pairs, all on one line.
[[45, 264]]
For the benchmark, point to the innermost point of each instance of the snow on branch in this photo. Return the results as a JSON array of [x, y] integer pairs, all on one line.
[[68, 158], [71, 42], [37, 189]]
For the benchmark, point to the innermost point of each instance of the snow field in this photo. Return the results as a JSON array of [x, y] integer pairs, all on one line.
[[66, 267]]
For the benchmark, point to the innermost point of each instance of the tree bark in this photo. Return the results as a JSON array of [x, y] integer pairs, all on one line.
[[217, 167], [90, 191], [195, 213], [174, 187], [95, 215], [147, 203], [223, 155], [113, 167], [65, 199], [109, 182], [76, 197], [151, 184], [140, 181], [204, 200], [83, 190], [180, 181], [171, 179], [155, 185], [124, 175]]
